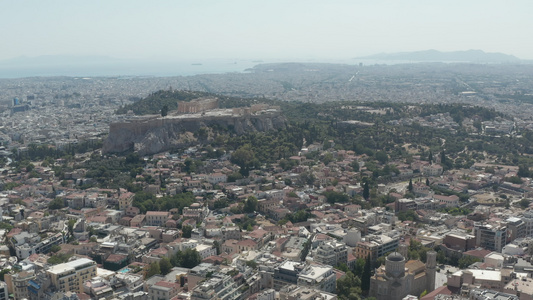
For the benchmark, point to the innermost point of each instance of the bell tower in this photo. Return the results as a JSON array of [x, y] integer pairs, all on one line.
[[431, 270]]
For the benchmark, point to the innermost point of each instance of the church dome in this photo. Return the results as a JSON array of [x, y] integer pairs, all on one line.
[[395, 265], [395, 256]]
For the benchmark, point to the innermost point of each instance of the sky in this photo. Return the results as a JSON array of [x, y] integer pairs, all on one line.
[[197, 30]]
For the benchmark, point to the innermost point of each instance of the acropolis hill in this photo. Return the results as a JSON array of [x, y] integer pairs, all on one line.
[[153, 133]]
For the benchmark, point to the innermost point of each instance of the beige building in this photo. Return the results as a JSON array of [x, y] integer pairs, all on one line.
[[521, 287], [70, 276], [125, 200], [486, 279], [17, 283], [157, 218], [163, 290], [399, 278], [431, 170], [375, 246]]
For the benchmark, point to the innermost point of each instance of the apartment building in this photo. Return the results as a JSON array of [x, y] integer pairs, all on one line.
[[332, 253], [70, 276], [319, 277], [490, 237], [375, 246]]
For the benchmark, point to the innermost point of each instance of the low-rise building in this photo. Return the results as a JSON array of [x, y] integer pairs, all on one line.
[[156, 218], [219, 286], [320, 277], [163, 290], [294, 292]]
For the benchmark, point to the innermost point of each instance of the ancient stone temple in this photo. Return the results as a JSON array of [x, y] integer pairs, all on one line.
[[197, 105]]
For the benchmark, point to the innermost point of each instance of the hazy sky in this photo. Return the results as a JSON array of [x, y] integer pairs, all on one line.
[[272, 29]]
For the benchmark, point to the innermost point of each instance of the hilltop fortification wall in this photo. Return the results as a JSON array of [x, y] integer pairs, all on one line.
[[156, 134]]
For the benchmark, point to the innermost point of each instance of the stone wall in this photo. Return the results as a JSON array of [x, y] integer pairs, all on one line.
[[157, 134]]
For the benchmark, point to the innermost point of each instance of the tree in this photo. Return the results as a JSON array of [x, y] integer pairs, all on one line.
[[305, 250], [336, 197], [164, 111], [430, 157], [55, 248], [250, 205], [413, 254], [342, 266], [441, 257], [408, 215], [513, 179], [359, 267], [365, 278], [152, 270], [328, 158], [57, 203], [186, 231], [4, 272], [355, 166], [427, 182], [477, 124], [443, 158], [71, 224], [190, 166], [189, 258], [348, 285], [234, 177], [59, 258], [252, 264], [382, 157], [244, 157], [6, 226], [524, 203], [380, 261], [366, 191], [523, 171], [216, 244], [165, 266], [410, 186], [489, 170], [306, 178], [466, 261]]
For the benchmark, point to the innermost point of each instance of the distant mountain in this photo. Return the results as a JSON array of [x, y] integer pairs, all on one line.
[[475, 56]]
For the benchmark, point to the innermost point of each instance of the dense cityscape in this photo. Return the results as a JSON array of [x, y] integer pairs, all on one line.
[[287, 181]]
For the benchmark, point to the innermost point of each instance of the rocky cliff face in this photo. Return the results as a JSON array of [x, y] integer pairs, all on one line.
[[157, 134]]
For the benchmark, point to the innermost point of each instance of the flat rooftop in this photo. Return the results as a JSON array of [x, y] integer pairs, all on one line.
[[70, 266]]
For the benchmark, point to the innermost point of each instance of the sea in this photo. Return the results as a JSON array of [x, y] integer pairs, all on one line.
[[150, 69]]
